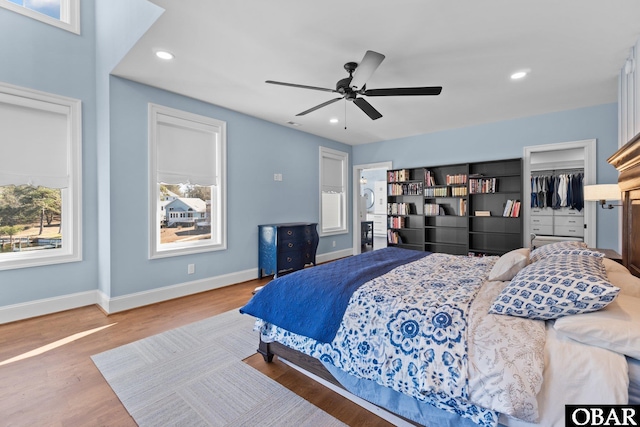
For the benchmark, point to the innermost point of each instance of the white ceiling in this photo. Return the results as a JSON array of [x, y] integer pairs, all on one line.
[[225, 50]]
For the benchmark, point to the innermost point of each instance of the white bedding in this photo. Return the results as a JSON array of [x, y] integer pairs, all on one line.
[[579, 374]]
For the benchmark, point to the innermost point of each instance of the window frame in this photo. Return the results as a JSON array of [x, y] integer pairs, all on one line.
[[69, 14], [343, 157], [219, 191], [71, 220]]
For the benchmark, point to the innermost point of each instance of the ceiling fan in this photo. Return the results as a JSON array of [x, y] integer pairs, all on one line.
[[354, 85]]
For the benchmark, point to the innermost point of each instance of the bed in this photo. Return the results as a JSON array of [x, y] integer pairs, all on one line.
[[445, 340]]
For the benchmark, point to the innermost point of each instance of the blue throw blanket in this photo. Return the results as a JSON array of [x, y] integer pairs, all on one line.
[[311, 302]]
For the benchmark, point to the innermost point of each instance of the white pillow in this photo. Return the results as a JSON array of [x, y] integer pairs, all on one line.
[[628, 283], [616, 327], [509, 264]]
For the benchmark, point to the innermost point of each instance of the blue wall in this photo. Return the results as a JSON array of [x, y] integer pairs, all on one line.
[[46, 58], [507, 139], [256, 149]]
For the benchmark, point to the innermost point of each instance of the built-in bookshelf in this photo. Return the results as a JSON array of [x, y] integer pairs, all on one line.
[[469, 208]]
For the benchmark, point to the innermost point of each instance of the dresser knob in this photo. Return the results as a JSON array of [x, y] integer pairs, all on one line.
[[289, 259], [290, 245], [289, 232]]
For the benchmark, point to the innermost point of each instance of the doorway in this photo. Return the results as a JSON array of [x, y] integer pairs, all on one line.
[[370, 206]]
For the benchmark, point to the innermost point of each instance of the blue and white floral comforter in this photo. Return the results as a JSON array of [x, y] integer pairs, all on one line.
[[407, 330]]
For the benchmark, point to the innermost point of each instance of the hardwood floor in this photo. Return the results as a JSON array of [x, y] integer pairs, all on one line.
[[62, 387]]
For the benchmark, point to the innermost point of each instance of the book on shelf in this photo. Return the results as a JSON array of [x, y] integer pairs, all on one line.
[[483, 213], [458, 179], [512, 208], [483, 185], [432, 209], [398, 175], [462, 208], [429, 179], [393, 237]]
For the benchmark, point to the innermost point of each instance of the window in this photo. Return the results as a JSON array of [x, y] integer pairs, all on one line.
[[333, 191], [64, 14], [187, 183], [40, 194]]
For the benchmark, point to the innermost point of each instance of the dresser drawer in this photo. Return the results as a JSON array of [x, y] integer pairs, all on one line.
[[565, 230], [569, 221], [541, 220], [542, 229], [569, 212], [541, 211], [287, 234], [293, 245], [290, 260]]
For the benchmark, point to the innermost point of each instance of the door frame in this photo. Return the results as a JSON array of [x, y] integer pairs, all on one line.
[[357, 171]]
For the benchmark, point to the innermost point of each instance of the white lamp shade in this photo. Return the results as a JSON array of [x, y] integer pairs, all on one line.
[[602, 192]]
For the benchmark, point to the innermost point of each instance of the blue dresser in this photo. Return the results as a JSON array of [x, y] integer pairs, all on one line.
[[286, 247]]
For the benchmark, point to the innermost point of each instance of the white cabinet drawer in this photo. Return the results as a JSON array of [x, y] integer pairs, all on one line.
[[541, 211], [569, 212], [569, 221], [542, 229], [541, 220], [567, 230]]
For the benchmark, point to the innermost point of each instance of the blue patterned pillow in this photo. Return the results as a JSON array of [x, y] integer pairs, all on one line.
[[556, 286], [548, 250]]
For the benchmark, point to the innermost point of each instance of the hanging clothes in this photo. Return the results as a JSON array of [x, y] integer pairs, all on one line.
[[558, 190]]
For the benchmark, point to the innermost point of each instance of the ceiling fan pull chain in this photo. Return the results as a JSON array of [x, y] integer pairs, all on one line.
[[345, 114]]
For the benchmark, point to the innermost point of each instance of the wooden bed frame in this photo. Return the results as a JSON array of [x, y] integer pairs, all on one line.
[[626, 160]]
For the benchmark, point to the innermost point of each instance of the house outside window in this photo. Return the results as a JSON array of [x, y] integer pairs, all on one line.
[[63, 14], [333, 191], [187, 181], [40, 183]]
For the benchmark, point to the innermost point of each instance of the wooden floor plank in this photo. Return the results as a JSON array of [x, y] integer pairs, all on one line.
[[62, 386]]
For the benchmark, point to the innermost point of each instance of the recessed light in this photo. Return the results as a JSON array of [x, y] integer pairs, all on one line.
[[293, 123], [333, 120], [519, 75], [163, 54]]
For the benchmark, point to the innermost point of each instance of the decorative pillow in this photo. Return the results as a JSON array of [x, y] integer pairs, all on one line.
[[509, 264], [547, 250], [628, 283], [616, 327], [555, 287]]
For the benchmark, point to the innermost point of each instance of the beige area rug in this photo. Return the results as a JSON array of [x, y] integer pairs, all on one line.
[[194, 376]]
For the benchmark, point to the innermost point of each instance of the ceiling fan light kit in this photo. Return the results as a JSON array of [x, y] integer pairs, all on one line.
[[350, 87]]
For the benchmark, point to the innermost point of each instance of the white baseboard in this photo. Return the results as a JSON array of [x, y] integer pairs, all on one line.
[[12, 313], [330, 256], [139, 299]]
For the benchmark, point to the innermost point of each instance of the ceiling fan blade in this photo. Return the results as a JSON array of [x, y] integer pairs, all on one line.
[[366, 68], [403, 91], [367, 108], [324, 104], [324, 89]]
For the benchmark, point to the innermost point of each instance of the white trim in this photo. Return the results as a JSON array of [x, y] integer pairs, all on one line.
[[344, 158], [69, 14], [357, 171], [155, 110], [589, 165], [15, 312], [140, 299], [71, 250], [331, 256]]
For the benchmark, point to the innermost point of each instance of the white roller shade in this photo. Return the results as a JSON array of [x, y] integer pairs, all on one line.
[[332, 175], [34, 141], [186, 151]]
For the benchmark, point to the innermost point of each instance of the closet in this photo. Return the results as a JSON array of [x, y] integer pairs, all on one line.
[[557, 205], [555, 176]]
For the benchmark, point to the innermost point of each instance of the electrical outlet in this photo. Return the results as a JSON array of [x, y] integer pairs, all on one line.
[[277, 177], [191, 268], [333, 243]]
